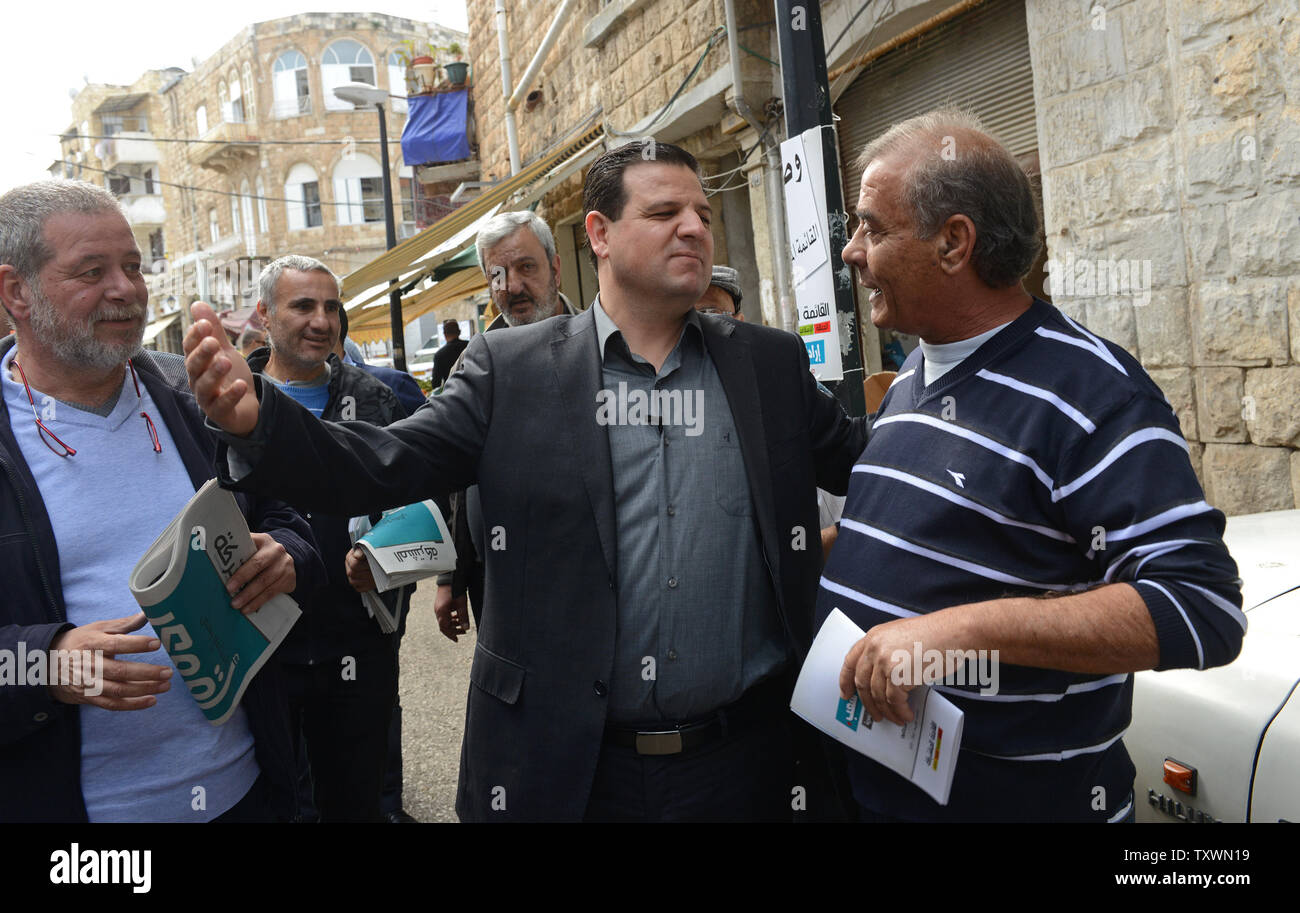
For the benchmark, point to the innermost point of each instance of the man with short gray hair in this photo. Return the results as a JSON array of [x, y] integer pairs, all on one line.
[[99, 449], [1025, 501], [342, 670]]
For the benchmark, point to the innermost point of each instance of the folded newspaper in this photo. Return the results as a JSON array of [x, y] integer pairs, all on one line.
[[404, 545], [924, 750], [180, 583]]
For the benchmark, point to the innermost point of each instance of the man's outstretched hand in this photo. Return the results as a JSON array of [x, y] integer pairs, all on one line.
[[220, 378]]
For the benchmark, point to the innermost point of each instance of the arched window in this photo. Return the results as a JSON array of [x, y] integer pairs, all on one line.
[[246, 219], [223, 100], [289, 84], [344, 61], [236, 99], [214, 227], [234, 214], [302, 190], [359, 190], [250, 94], [397, 82], [261, 205], [201, 119]]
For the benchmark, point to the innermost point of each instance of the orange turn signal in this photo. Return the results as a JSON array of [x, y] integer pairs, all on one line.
[[1180, 776]]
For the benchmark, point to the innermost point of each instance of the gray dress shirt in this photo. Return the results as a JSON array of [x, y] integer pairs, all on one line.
[[697, 615]]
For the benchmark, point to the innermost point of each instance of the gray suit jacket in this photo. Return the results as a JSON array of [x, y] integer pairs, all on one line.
[[526, 431]]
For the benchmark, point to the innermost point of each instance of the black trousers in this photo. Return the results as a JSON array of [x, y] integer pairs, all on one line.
[[343, 710], [741, 776]]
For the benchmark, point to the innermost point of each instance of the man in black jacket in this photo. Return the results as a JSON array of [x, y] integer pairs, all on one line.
[[447, 355], [623, 671], [341, 668], [98, 450]]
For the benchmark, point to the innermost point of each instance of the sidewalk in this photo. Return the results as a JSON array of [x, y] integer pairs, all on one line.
[[434, 683]]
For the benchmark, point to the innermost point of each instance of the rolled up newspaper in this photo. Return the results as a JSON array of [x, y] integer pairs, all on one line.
[[404, 545], [180, 583]]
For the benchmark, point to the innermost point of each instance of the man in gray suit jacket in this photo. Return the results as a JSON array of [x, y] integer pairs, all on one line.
[[648, 479]]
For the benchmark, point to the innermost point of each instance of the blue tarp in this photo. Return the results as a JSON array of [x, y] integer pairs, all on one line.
[[436, 128]]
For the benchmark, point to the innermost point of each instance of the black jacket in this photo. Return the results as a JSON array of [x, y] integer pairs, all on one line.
[[520, 420], [40, 738], [335, 622]]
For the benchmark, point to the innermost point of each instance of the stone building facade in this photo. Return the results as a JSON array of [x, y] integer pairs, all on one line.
[[1167, 138], [251, 156]]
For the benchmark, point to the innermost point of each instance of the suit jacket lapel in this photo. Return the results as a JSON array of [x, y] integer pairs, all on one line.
[[735, 366], [575, 358]]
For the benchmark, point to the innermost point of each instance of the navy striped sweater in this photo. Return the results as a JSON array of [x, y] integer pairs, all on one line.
[[994, 482]]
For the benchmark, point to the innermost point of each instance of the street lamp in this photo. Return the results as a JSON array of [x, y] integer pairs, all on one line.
[[360, 94]]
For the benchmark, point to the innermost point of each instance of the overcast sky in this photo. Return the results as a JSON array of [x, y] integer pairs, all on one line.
[[56, 47]]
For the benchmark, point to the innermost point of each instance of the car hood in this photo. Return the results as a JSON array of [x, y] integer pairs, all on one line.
[[1266, 548]]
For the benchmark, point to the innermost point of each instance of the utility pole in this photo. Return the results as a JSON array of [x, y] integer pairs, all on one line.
[[807, 99]]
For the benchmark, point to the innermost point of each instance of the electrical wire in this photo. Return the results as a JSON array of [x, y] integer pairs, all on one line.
[[241, 142]]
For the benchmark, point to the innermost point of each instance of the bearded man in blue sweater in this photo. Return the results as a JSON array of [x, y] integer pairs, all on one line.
[[1026, 492]]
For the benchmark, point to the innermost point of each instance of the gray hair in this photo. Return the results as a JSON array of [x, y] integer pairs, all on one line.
[[957, 168], [504, 224], [24, 211], [270, 275]]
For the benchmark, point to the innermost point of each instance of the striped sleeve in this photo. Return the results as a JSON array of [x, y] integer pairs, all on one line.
[[1131, 499]]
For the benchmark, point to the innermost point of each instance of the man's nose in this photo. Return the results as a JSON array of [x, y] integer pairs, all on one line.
[[514, 282], [691, 225], [123, 287]]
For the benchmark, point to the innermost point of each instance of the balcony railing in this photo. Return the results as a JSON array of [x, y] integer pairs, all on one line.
[[291, 107]]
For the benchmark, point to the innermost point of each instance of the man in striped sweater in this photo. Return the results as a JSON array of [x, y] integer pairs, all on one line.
[[1026, 491]]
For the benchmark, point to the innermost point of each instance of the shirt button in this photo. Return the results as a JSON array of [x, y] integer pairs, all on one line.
[[672, 583], [672, 511], [672, 654], [41, 717], [600, 688]]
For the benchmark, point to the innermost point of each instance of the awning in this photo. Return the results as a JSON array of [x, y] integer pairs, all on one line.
[[152, 330], [372, 324], [419, 255], [120, 103]]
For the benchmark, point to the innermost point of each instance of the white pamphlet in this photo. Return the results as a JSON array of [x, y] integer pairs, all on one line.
[[924, 750]]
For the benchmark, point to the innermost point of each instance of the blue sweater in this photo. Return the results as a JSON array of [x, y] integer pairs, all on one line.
[[999, 480]]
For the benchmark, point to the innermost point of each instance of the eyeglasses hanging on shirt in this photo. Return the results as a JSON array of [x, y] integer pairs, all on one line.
[[68, 451]]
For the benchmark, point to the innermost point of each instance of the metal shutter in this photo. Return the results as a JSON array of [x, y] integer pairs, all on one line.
[[978, 61]]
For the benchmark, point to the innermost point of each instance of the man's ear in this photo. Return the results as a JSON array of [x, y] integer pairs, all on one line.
[[597, 226], [555, 271], [15, 293], [955, 243], [262, 311]]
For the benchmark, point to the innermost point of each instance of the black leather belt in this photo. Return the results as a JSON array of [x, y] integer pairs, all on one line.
[[760, 703]]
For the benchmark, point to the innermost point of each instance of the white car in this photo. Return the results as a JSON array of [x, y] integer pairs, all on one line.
[[1222, 744]]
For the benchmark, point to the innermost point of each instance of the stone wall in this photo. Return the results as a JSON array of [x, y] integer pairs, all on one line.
[[619, 63], [1169, 136]]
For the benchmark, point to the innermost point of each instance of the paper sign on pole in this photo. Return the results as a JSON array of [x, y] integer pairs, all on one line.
[[806, 224]]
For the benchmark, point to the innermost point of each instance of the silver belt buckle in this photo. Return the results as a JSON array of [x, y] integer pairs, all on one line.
[[659, 743]]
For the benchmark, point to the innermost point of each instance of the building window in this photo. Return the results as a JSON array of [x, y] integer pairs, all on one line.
[[201, 119], [156, 245], [359, 190], [234, 214], [397, 84], [119, 185], [111, 124], [344, 61], [223, 101], [214, 228], [250, 94], [148, 181], [289, 85], [302, 191], [236, 100], [261, 204]]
